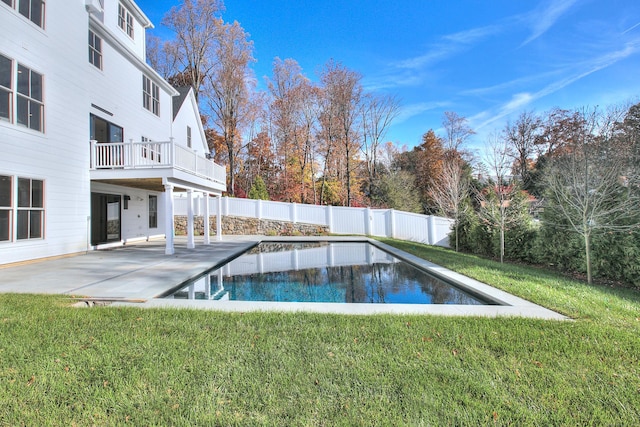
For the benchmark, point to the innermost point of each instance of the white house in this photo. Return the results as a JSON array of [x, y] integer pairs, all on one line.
[[93, 142]]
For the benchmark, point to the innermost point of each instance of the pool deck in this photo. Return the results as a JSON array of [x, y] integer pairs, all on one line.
[[136, 274]]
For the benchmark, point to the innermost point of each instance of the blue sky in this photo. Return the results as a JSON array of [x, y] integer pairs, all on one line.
[[485, 60]]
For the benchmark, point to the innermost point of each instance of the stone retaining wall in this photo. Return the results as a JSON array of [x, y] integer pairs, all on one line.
[[233, 225]]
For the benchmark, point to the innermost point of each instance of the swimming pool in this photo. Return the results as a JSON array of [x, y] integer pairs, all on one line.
[[324, 272]]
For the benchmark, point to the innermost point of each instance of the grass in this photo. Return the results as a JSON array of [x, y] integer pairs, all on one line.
[[113, 366]]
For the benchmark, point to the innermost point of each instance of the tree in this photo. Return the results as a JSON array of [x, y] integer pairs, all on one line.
[[197, 26], [585, 188], [343, 93], [453, 189], [398, 191], [428, 167], [457, 130], [227, 91], [522, 136], [378, 112], [495, 200], [258, 190]]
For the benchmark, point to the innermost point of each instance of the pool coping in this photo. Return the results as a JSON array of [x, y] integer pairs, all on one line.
[[514, 306]]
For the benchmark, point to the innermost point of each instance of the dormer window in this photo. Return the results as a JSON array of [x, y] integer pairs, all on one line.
[[125, 20]]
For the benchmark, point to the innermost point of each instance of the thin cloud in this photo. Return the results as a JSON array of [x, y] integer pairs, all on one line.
[[412, 110], [542, 20], [521, 100], [631, 28]]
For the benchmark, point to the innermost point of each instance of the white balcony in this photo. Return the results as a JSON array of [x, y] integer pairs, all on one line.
[[154, 159]]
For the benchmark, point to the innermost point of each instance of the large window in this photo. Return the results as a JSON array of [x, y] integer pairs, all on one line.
[[23, 105], [29, 104], [95, 50], [153, 211], [125, 20], [150, 95], [21, 215], [6, 87]]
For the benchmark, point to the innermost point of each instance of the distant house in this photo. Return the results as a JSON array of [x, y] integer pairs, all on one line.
[[93, 142]]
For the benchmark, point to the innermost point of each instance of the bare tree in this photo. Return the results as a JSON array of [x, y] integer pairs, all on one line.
[[523, 135], [378, 112], [585, 186], [451, 192], [227, 90], [495, 200], [457, 130], [197, 26]]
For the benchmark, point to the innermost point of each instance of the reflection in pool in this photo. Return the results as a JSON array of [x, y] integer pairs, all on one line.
[[329, 272]]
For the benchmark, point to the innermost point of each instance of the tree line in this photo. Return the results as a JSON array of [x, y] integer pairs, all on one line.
[[560, 187]]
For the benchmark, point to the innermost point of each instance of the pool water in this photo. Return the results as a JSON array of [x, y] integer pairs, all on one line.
[[328, 272]]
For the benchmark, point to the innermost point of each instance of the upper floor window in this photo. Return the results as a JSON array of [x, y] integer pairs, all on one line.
[[6, 87], [95, 49], [125, 20], [33, 10], [29, 105], [150, 95], [22, 104], [189, 136]]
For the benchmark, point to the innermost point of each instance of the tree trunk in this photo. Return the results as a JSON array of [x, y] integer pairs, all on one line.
[[587, 252]]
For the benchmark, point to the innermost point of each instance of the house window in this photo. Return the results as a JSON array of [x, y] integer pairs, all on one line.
[[150, 95], [33, 10], [189, 136], [28, 212], [95, 50], [153, 211], [5, 208], [125, 20], [9, 2], [29, 105], [6, 87]]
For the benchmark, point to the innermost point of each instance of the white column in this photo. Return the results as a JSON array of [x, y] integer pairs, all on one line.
[[219, 220], [169, 221], [205, 219], [190, 240]]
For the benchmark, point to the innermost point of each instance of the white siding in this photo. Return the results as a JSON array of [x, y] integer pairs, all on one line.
[[59, 155]]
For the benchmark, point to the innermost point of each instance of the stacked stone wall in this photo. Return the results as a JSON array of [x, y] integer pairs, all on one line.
[[233, 225]]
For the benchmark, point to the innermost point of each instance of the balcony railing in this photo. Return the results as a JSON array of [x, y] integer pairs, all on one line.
[[154, 154]]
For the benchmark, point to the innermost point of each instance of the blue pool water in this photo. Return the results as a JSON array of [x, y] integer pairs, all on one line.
[[333, 272]]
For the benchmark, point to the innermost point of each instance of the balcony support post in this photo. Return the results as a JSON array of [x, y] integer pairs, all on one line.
[[190, 239], [169, 221], [207, 214]]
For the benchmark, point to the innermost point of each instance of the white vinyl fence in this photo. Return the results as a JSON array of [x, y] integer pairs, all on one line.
[[432, 230]]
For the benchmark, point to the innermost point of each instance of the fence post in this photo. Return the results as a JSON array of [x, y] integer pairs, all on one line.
[[368, 221], [226, 205], [259, 209], [329, 213], [431, 229], [294, 213], [392, 223]]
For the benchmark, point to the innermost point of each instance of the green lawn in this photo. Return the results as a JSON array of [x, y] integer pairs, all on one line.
[[111, 366]]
